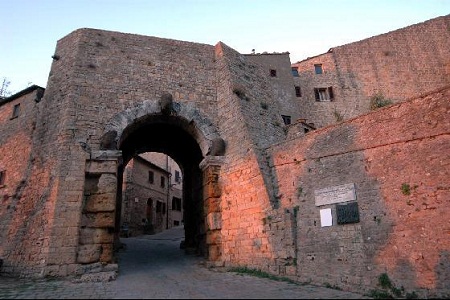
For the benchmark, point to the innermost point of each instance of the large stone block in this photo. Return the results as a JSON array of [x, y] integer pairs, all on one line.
[[107, 183], [98, 220], [214, 252], [95, 236], [213, 205], [107, 253], [212, 190], [101, 167], [214, 221], [100, 202], [89, 254]]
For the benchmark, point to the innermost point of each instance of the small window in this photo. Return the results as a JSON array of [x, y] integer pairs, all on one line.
[[177, 176], [159, 206], [151, 177], [286, 119], [176, 204], [16, 111], [318, 69], [2, 177], [324, 94], [273, 73], [298, 91], [163, 181], [176, 223], [295, 72]]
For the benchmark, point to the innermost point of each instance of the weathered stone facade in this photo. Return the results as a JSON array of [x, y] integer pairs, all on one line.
[[148, 194], [398, 65], [257, 193]]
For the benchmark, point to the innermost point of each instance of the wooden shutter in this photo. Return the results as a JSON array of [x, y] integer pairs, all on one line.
[[330, 92]]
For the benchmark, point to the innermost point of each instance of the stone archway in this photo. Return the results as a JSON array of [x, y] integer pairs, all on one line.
[[162, 126]]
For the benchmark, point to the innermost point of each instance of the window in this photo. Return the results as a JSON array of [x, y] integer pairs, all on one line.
[[176, 223], [318, 69], [273, 73], [163, 181], [295, 72], [2, 177], [177, 176], [151, 177], [159, 207], [298, 91], [176, 204], [324, 94], [286, 119], [16, 111]]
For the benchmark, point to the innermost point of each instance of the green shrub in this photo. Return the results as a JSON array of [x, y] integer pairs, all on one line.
[[406, 189], [378, 100]]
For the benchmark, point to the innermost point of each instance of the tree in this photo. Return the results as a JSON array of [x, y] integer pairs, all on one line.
[[4, 89]]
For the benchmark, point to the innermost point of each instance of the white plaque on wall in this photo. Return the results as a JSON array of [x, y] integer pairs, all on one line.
[[335, 194], [326, 219]]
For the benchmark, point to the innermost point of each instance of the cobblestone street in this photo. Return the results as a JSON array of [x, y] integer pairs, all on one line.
[[153, 266]]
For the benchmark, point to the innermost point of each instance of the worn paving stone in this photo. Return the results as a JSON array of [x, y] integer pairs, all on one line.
[[153, 267]]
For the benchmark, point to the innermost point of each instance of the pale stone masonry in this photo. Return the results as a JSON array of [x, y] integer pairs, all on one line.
[[398, 65], [341, 205]]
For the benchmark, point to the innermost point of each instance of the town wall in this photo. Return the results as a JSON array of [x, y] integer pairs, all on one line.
[[25, 214], [397, 159]]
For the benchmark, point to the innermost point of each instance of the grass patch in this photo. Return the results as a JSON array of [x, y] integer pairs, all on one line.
[[260, 274]]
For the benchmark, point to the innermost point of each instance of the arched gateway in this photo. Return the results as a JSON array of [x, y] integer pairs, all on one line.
[[341, 205], [152, 126]]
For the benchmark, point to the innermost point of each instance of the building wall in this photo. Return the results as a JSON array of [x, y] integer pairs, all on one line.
[[282, 84], [176, 185], [399, 65], [24, 211], [140, 198], [397, 158]]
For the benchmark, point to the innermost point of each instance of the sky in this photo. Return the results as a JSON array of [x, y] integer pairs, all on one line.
[[30, 29]]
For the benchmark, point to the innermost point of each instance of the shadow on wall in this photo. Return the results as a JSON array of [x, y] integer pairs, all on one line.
[[334, 167]]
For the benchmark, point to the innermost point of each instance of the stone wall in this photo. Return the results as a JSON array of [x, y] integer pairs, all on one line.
[[282, 83], [399, 65], [25, 214], [249, 122], [397, 160]]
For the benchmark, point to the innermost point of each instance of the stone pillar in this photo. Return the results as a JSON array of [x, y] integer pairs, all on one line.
[[210, 167], [99, 208]]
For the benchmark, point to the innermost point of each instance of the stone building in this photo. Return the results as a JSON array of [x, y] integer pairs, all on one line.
[[174, 184], [343, 205], [152, 191], [146, 195], [396, 66]]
